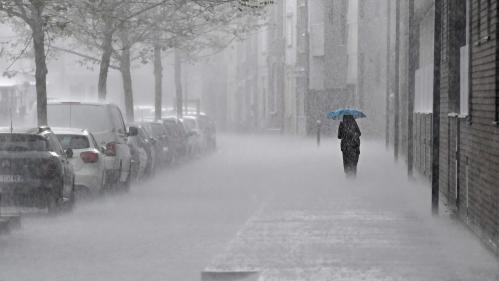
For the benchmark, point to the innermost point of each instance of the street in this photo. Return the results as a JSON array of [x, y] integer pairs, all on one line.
[[276, 205]]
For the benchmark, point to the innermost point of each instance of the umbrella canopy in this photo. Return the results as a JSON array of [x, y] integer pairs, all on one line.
[[338, 114]]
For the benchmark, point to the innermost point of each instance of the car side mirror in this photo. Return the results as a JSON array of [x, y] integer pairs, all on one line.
[[103, 149], [133, 131], [69, 153]]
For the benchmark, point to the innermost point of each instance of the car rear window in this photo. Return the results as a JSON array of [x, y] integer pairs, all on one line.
[[74, 141], [95, 118], [22, 142]]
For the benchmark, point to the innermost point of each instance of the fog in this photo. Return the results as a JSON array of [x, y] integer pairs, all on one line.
[[281, 207]]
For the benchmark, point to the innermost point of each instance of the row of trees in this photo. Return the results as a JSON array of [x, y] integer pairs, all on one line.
[[114, 33]]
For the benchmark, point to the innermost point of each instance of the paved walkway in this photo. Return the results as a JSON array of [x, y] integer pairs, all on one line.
[[318, 225]]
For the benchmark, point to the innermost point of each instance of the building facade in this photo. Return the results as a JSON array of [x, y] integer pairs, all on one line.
[[462, 135]]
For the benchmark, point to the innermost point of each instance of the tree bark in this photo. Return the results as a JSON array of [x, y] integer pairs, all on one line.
[[396, 101], [435, 151], [178, 83], [388, 71], [40, 63], [107, 50], [158, 82], [413, 65], [126, 75]]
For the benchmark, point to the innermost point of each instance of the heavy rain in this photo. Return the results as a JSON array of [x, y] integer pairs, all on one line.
[[249, 140]]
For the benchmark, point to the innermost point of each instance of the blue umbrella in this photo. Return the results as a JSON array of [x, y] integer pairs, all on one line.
[[338, 114]]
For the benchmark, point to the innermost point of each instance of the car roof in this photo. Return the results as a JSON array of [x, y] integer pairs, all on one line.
[[28, 131], [190, 117], [79, 102], [72, 131], [152, 122]]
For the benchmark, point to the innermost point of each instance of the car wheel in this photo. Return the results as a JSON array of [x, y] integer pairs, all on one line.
[[53, 204], [54, 199], [69, 204]]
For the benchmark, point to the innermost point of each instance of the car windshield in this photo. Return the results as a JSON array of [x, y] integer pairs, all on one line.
[[92, 117], [22, 142], [74, 141]]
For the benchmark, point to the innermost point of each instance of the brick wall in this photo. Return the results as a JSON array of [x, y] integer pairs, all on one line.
[[469, 145], [469, 179]]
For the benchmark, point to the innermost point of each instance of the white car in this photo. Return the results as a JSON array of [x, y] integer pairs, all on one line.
[[89, 162], [106, 123]]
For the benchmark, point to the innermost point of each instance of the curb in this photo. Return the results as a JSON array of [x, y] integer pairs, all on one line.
[[209, 275]]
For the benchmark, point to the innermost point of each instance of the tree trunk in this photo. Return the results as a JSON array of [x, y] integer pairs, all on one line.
[[388, 71], [158, 82], [396, 101], [435, 151], [41, 66], [178, 83], [107, 50], [126, 75], [413, 64]]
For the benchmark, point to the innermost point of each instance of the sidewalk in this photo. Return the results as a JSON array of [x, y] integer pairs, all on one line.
[[321, 226]]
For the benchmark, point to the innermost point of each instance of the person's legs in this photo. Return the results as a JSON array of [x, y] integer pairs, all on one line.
[[355, 161], [345, 162], [348, 162]]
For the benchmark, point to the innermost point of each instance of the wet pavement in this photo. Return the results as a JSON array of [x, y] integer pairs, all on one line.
[[273, 205]]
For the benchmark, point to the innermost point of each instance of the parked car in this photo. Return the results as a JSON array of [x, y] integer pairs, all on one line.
[[148, 142], [176, 135], [106, 123], [89, 161], [35, 170], [158, 132], [195, 136]]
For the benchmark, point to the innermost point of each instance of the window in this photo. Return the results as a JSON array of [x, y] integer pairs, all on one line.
[[55, 145], [378, 68], [94, 141], [464, 69], [361, 8], [423, 99], [331, 13], [317, 39], [22, 142], [289, 31], [92, 117], [463, 80], [117, 120], [343, 27], [484, 20], [74, 141]]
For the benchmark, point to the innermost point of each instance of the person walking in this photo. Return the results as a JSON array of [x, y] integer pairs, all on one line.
[[349, 133]]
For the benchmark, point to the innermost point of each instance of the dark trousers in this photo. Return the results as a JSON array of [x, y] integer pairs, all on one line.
[[350, 160]]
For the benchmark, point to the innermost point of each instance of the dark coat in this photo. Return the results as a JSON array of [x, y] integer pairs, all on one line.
[[349, 133]]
